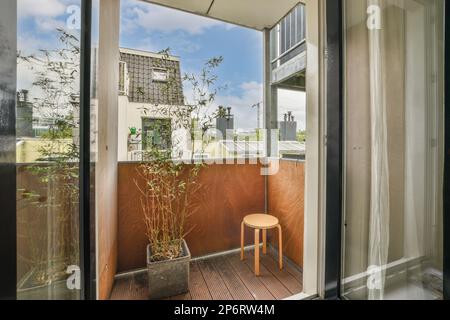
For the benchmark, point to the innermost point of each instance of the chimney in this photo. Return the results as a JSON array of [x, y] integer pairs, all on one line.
[[25, 95], [288, 127], [224, 121]]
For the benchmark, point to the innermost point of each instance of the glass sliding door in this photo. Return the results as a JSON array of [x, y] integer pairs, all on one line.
[[8, 54], [48, 149], [393, 171]]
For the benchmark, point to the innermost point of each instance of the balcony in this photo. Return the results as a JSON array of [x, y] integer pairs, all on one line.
[[228, 194]]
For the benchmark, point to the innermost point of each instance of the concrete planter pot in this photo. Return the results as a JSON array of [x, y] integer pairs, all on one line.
[[168, 278]]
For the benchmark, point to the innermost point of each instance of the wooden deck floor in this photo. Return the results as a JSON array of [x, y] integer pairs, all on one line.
[[223, 278]]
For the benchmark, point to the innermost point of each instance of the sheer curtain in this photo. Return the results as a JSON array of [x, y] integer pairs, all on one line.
[[379, 188], [393, 149]]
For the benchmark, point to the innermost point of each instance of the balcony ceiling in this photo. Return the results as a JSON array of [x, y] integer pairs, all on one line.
[[255, 14]]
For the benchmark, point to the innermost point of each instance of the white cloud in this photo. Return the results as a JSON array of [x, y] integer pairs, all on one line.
[[156, 18], [144, 44], [241, 104], [252, 93], [40, 8], [30, 44], [25, 80], [49, 24], [178, 44]]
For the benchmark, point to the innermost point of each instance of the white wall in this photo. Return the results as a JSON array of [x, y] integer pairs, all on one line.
[[313, 249], [131, 115]]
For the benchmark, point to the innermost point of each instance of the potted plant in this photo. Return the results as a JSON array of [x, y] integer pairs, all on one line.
[[165, 191], [167, 186]]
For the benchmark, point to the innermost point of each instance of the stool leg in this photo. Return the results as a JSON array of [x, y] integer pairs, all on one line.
[[257, 252], [264, 236], [280, 247], [242, 240]]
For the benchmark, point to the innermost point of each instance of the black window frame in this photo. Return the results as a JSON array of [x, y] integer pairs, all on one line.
[[8, 220], [334, 146]]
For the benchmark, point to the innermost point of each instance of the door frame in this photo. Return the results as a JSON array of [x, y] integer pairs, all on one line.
[[334, 148], [8, 214], [86, 238], [8, 189], [446, 193]]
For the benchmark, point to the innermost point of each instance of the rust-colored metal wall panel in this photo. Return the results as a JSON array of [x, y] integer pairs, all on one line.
[[228, 193], [286, 201]]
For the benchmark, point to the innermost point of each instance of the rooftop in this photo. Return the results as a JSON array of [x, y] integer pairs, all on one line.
[[153, 78]]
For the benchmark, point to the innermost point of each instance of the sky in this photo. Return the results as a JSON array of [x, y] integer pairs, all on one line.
[[192, 38]]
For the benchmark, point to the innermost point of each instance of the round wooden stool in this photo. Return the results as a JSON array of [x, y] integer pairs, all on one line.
[[262, 222]]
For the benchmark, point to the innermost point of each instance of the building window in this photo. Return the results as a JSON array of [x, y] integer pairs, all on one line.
[[156, 134], [160, 75], [124, 80], [288, 36]]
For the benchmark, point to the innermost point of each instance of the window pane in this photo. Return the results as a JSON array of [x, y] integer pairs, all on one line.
[[393, 150], [293, 30], [48, 68], [300, 23], [283, 36], [288, 32]]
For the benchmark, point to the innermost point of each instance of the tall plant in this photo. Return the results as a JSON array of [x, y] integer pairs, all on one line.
[[166, 186]]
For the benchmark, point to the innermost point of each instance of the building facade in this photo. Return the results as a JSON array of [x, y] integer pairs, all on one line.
[[150, 89]]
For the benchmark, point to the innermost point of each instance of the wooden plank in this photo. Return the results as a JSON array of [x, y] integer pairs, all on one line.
[[253, 284], [139, 289], [223, 278], [276, 288], [293, 269], [197, 285], [288, 280], [215, 283], [135, 287], [185, 296], [121, 289], [234, 284], [131, 287]]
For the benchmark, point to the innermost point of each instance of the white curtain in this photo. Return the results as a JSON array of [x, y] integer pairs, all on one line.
[[379, 188], [394, 85]]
